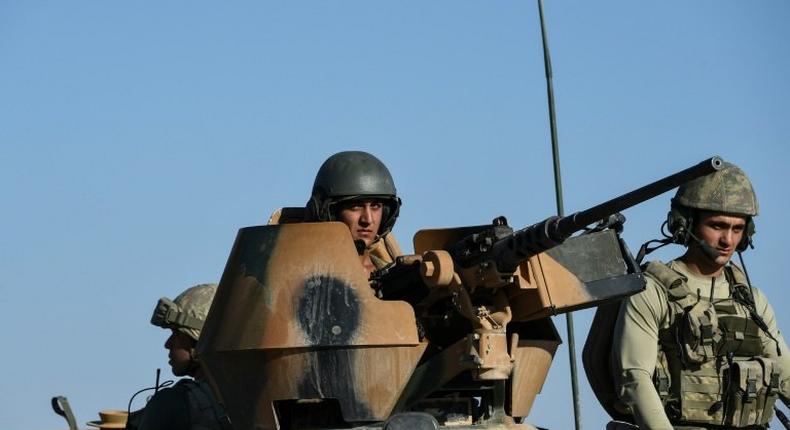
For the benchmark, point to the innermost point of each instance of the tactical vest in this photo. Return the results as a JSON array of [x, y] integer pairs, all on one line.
[[205, 413], [711, 369]]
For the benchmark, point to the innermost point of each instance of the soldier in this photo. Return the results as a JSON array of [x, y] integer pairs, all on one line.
[[700, 347], [189, 404], [357, 189]]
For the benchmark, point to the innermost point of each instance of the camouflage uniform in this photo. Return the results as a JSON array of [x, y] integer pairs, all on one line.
[[190, 403], [645, 317], [687, 352]]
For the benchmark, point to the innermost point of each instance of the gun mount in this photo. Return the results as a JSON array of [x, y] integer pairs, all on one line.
[[297, 338]]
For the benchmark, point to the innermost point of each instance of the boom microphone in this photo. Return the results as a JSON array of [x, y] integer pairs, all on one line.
[[708, 250]]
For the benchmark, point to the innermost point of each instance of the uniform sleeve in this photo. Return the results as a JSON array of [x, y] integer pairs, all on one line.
[[634, 352], [782, 357], [167, 410]]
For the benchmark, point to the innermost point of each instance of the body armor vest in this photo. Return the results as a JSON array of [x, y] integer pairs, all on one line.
[[711, 370], [205, 412]]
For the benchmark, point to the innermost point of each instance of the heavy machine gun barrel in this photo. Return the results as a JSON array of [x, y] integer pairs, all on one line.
[[507, 248], [577, 221]]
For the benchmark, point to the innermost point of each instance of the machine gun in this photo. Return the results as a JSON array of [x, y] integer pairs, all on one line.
[[490, 255], [296, 337], [481, 291]]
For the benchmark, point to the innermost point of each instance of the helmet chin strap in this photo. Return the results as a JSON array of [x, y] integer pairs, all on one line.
[[360, 245], [194, 363]]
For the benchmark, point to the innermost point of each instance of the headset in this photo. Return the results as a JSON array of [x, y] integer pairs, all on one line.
[[680, 224]]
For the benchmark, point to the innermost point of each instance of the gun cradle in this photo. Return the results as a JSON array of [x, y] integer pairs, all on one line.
[[583, 272], [511, 337]]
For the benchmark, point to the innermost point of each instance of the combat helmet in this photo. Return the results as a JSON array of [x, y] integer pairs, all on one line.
[[727, 190], [187, 312], [351, 175]]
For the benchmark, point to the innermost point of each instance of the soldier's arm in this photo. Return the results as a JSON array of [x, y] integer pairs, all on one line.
[[634, 352], [782, 356]]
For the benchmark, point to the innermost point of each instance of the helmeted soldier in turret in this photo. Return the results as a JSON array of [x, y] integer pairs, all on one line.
[[700, 347], [190, 403], [356, 188]]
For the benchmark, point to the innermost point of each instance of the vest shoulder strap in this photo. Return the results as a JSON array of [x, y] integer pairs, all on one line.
[[673, 283], [738, 274], [206, 412]]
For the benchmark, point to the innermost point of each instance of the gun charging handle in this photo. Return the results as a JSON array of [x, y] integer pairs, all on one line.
[[437, 268]]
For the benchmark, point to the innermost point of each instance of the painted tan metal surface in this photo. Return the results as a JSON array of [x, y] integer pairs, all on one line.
[[541, 285], [385, 249], [366, 381], [437, 269], [295, 318], [298, 265], [490, 348], [531, 362], [537, 288], [440, 238], [435, 373]]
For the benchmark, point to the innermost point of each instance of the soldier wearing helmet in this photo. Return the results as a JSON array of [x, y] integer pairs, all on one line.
[[700, 347], [356, 188], [190, 403]]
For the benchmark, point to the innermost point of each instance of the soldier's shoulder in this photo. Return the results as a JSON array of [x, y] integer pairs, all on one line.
[[170, 398], [654, 297], [760, 299], [167, 409], [658, 278]]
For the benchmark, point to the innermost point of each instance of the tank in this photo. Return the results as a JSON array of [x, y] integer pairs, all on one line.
[[459, 333]]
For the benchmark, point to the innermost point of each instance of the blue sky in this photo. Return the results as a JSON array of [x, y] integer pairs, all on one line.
[[136, 138]]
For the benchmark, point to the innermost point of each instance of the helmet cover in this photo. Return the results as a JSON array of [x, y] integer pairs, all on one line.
[[727, 190], [187, 312]]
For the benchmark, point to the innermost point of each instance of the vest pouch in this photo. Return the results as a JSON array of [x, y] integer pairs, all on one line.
[[699, 332], [748, 393], [700, 393], [771, 383]]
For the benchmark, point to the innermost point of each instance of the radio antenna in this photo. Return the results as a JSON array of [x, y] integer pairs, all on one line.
[[555, 150]]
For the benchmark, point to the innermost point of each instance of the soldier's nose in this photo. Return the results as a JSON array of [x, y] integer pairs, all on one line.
[[365, 216], [169, 342]]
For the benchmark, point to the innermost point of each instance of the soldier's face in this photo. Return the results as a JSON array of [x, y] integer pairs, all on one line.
[[363, 218], [722, 232], [179, 346]]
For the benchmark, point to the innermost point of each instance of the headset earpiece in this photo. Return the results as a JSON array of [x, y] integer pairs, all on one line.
[[679, 222], [746, 240], [318, 208]]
